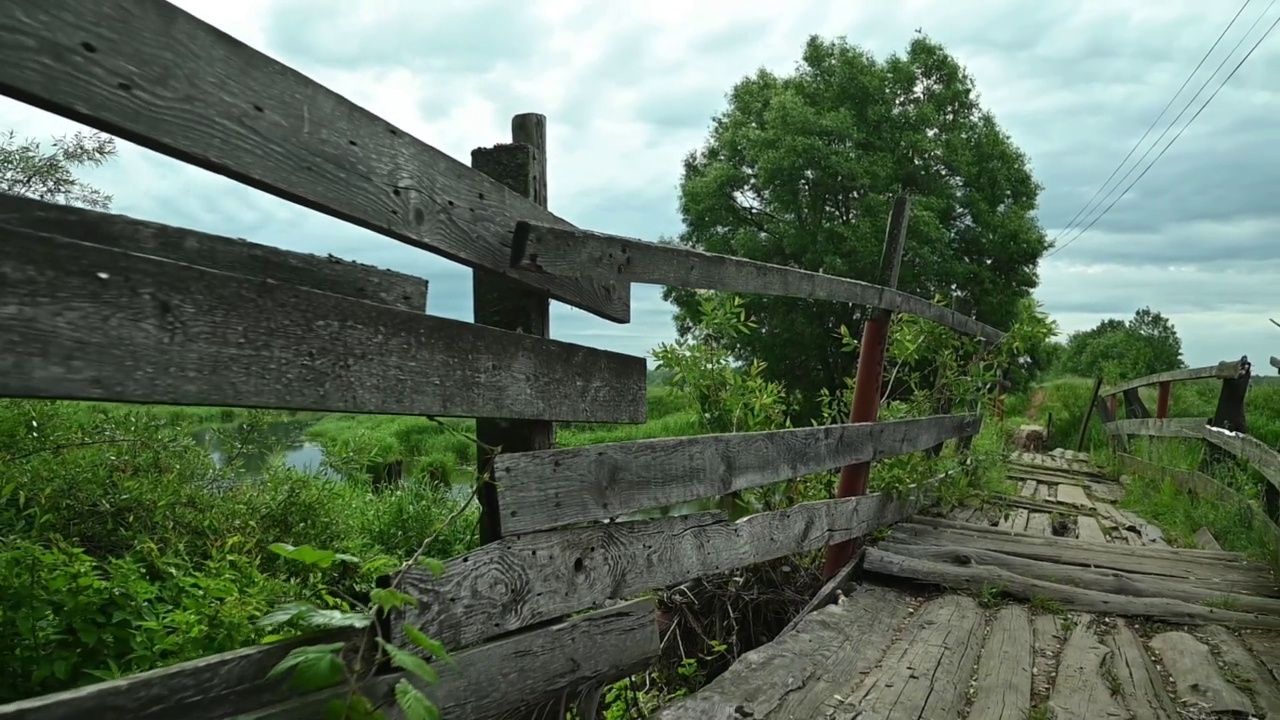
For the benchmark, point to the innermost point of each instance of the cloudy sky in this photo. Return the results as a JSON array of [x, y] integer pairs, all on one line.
[[629, 88]]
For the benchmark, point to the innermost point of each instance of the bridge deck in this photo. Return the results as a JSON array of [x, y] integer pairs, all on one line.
[[1074, 610]]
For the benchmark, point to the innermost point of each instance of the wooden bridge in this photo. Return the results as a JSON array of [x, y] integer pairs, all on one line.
[[557, 601]]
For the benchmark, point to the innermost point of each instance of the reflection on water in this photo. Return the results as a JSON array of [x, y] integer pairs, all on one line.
[[254, 450]]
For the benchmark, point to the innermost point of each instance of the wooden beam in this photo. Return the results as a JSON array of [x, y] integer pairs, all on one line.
[[541, 249], [557, 487], [1153, 427], [1248, 448], [239, 257], [526, 579], [519, 671], [1225, 370], [87, 323], [154, 74]]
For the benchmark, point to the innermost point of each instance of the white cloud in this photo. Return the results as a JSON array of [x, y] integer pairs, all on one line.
[[629, 89]]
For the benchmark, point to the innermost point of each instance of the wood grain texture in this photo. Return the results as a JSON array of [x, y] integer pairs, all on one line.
[[1225, 370], [1080, 690], [153, 74], [826, 594], [1196, 675], [79, 321], [329, 274], [1142, 687], [520, 671], [1002, 687], [543, 249], [526, 579], [1205, 540], [1023, 588], [210, 688], [1240, 663], [1089, 530], [558, 487], [797, 675], [1248, 448], [1153, 427]]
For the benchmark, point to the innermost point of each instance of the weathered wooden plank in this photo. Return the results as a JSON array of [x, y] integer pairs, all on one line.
[[1033, 477], [1153, 427], [1073, 495], [1028, 488], [550, 488], [1048, 643], [1195, 673], [515, 672], [826, 594], [110, 64], [526, 579], [1240, 663], [1089, 530], [1142, 688], [925, 673], [1247, 448], [1040, 523], [210, 688], [1205, 540], [1071, 598], [1080, 691], [543, 249], [239, 257], [1225, 370], [797, 675], [85, 322], [1002, 688]]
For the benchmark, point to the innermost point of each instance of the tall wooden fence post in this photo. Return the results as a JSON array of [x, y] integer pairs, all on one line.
[[499, 303], [1228, 415], [1088, 413], [866, 390], [1162, 400]]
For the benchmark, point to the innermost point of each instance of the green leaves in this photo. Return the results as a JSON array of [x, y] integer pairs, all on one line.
[[311, 616], [312, 667], [309, 555], [415, 705]]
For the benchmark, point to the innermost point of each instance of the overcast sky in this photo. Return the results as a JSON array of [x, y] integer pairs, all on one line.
[[629, 88]]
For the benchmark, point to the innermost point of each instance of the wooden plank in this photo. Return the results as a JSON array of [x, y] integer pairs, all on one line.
[[1073, 495], [526, 579], [797, 676], [542, 249], [1080, 691], [1002, 687], [1153, 427], [110, 64], [329, 274], [1040, 523], [210, 688], [926, 672], [1028, 489], [1034, 477], [515, 672], [1205, 540], [1141, 685], [1045, 492], [1087, 529], [827, 593], [1248, 448], [556, 487], [1196, 675], [1225, 370], [1242, 665], [88, 323]]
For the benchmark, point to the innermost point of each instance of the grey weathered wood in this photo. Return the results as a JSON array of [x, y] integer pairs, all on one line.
[[526, 579], [1034, 477], [1248, 448], [1048, 642], [1080, 691], [1142, 687], [1002, 687], [1195, 673], [557, 487], [1240, 662], [1073, 495], [89, 323], [797, 675], [826, 594], [329, 274], [542, 249], [515, 672], [1040, 524], [1225, 370], [1071, 598], [1028, 488], [925, 673], [210, 688], [1154, 427], [1087, 529], [1112, 582], [152, 73], [1205, 540]]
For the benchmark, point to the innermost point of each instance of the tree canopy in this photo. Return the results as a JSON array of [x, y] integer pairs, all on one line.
[[30, 169], [1118, 350], [801, 170]]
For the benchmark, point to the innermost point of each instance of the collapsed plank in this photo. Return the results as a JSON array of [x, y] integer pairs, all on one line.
[[518, 671], [1022, 588], [541, 249], [238, 257], [1157, 553], [88, 323], [1225, 370], [526, 579], [549, 488], [110, 65]]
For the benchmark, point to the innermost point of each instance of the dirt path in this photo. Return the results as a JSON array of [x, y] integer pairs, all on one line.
[[1037, 400]]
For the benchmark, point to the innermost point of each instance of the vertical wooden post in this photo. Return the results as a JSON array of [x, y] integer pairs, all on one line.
[[866, 390], [1112, 406], [1134, 408], [1162, 400], [1228, 415], [1088, 413], [499, 303]]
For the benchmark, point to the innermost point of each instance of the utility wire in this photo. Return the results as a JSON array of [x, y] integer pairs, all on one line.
[[1184, 127], [1136, 145]]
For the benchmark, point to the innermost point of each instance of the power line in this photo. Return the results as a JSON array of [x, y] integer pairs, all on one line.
[[1168, 105], [1179, 133]]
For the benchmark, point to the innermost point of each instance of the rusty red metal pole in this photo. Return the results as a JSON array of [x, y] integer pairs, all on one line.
[[1112, 404], [865, 406], [1162, 400]]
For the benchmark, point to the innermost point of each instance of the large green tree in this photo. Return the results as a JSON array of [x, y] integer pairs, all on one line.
[[1118, 350], [801, 169]]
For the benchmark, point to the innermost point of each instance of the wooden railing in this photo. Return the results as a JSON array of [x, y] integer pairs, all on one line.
[[111, 308]]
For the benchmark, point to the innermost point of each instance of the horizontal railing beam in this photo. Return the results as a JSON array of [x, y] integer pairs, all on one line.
[[1225, 370], [540, 249]]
